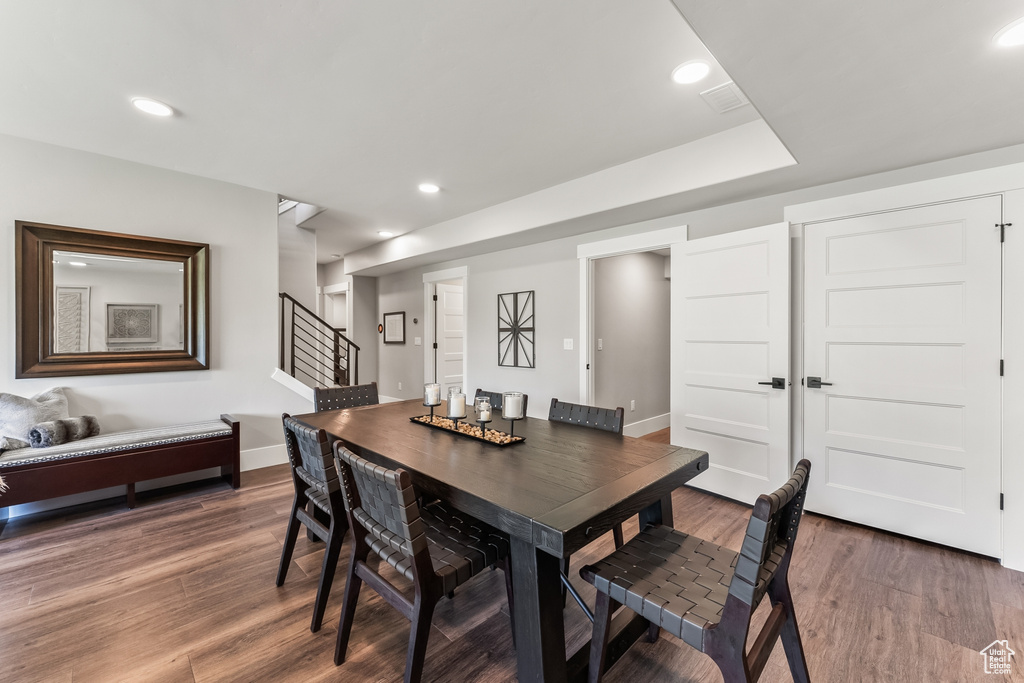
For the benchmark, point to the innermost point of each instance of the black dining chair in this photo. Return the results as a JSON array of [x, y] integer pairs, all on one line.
[[705, 594], [316, 486], [607, 420], [335, 398], [434, 546], [495, 398]]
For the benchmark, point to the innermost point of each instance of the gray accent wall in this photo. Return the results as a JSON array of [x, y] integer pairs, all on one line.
[[632, 310]]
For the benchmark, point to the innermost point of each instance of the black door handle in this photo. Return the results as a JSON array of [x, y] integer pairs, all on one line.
[[816, 383], [776, 383]]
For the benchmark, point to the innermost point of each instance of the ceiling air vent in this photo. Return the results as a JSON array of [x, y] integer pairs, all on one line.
[[725, 97]]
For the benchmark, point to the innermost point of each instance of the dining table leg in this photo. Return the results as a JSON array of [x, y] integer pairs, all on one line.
[[540, 631]]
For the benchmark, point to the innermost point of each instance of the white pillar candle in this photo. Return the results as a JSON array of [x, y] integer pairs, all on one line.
[[432, 394], [456, 405], [485, 412], [512, 406]]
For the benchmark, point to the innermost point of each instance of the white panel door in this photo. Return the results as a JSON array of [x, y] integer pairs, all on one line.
[[450, 336], [735, 340], [902, 326]]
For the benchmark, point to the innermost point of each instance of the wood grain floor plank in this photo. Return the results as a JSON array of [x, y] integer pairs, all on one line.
[[956, 604], [182, 588]]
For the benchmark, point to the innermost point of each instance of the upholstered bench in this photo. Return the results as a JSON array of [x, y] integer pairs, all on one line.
[[119, 459]]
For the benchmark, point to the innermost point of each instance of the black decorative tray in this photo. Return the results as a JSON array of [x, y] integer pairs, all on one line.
[[470, 430]]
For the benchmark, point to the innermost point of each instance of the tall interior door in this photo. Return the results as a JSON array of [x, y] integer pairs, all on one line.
[[902, 327], [735, 346], [451, 335]]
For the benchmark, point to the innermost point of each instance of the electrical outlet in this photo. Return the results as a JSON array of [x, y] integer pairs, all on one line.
[[600, 344], [399, 386], [632, 404], [417, 341], [567, 344]]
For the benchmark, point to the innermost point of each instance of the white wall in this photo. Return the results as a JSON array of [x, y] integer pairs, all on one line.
[[296, 254], [65, 187]]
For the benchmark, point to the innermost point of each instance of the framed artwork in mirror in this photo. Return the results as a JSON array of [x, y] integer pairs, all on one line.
[[394, 328], [65, 281], [516, 342]]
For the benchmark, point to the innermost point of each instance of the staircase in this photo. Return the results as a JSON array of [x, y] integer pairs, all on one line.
[[312, 351]]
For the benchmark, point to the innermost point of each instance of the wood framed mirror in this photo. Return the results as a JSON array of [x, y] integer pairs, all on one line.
[[94, 303]]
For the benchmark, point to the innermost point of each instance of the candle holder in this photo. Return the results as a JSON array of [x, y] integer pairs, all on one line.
[[512, 425], [456, 405], [512, 409], [482, 408], [431, 397]]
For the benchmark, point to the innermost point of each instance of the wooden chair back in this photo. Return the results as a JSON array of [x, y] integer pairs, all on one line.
[[310, 456], [383, 502], [336, 398], [587, 416], [771, 533]]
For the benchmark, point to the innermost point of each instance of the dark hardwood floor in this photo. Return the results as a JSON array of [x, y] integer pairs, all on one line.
[[182, 589]]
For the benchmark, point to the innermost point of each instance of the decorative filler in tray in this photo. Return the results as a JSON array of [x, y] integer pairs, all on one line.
[[469, 430], [456, 412]]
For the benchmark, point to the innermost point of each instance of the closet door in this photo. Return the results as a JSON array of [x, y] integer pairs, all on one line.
[[902, 327], [735, 345]]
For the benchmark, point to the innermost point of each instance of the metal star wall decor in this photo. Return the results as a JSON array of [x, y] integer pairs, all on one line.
[[515, 330]]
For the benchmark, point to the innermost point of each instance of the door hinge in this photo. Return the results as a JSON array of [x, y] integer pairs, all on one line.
[[435, 345], [435, 297], [1002, 367], [1002, 230], [1000, 501], [588, 366]]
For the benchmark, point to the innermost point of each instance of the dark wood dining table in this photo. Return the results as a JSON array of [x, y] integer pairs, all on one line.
[[560, 489]]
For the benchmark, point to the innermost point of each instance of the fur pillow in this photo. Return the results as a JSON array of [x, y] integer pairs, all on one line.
[[18, 415], [56, 432]]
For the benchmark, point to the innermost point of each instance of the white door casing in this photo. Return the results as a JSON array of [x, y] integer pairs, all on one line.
[[735, 335], [902, 318], [450, 336]]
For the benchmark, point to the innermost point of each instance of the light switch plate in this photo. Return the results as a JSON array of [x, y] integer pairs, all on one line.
[[567, 344], [417, 341]]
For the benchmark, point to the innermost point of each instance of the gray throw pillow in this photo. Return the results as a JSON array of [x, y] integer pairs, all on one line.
[[18, 415]]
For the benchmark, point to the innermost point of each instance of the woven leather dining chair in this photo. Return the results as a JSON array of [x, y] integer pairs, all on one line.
[[605, 419], [496, 400], [316, 486], [705, 594], [434, 546], [335, 398]]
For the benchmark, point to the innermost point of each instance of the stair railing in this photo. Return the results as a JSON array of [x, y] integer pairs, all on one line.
[[314, 351]]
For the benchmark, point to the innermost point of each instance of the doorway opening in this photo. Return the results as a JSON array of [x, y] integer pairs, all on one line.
[[445, 359], [625, 361]]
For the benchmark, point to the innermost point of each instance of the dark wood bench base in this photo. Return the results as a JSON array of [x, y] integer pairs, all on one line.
[[33, 482]]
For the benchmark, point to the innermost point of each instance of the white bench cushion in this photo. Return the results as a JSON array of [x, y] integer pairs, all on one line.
[[117, 441]]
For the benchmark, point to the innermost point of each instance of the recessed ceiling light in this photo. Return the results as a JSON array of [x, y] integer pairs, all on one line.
[[76, 263], [691, 72], [335, 255], [1011, 35], [152, 106], [429, 188], [385, 233]]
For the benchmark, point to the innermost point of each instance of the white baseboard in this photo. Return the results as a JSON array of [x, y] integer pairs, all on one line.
[[390, 399], [651, 424]]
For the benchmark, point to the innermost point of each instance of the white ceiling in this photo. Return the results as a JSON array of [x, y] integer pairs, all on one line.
[[349, 104]]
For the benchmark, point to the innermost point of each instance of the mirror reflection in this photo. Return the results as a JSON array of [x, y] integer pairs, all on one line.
[[105, 303]]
